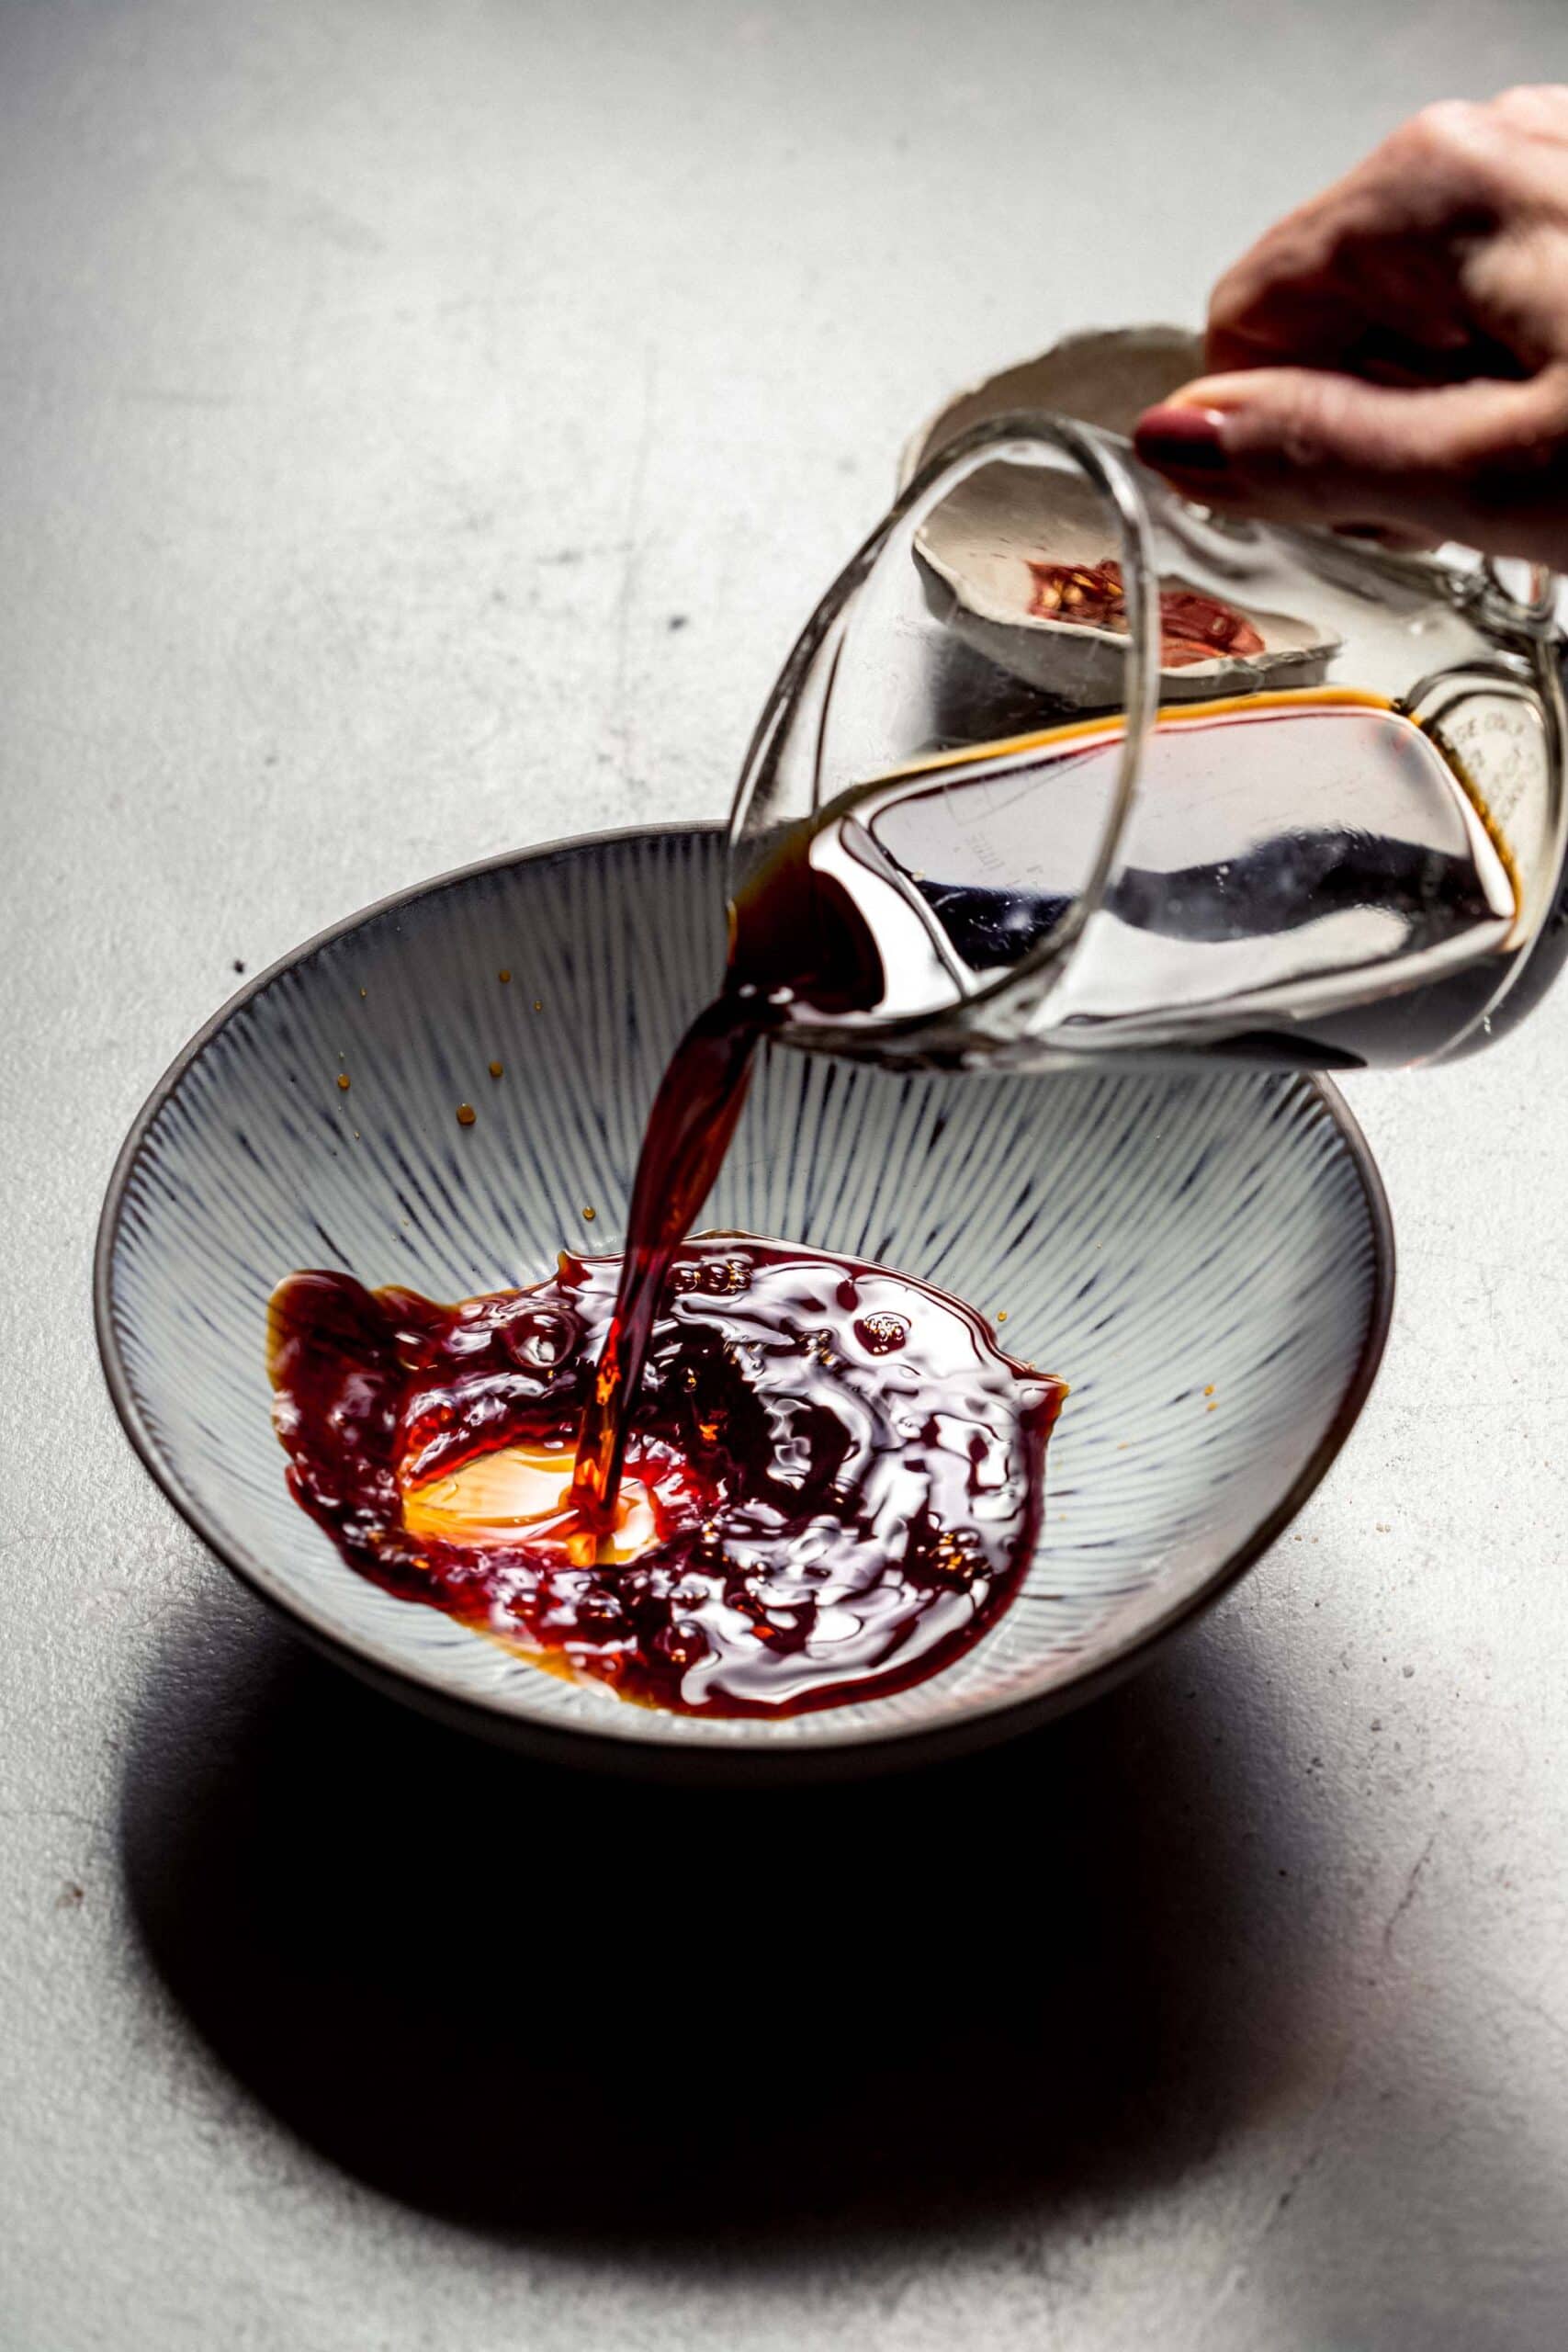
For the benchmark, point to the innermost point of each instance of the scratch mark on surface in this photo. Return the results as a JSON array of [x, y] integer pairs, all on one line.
[[1289, 2190], [1408, 1897]]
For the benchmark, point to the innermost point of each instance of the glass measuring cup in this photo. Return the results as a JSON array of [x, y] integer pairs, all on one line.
[[1063, 764]]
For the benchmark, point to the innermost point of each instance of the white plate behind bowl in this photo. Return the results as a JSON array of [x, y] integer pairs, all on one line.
[[1104, 376], [1149, 1238], [980, 541]]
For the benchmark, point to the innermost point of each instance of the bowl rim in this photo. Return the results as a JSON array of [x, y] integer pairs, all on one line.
[[618, 1746]]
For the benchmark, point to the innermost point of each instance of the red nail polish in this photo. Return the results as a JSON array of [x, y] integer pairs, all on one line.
[[1182, 441]]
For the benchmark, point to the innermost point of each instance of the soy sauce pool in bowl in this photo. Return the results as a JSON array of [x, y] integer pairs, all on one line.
[[833, 1485], [1149, 1238]]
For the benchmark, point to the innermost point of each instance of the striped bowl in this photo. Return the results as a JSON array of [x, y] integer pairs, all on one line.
[[1205, 1256]]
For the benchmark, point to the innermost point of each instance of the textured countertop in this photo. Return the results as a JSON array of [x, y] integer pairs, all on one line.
[[424, 429]]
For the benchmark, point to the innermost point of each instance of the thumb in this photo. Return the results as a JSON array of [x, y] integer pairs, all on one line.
[[1484, 461]]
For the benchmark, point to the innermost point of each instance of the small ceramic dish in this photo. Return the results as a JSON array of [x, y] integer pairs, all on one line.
[[1205, 1256], [979, 548]]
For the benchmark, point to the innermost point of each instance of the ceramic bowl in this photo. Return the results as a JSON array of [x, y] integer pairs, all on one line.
[[1205, 1256]]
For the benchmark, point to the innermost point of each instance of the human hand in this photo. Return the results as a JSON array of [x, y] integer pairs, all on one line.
[[1394, 354]]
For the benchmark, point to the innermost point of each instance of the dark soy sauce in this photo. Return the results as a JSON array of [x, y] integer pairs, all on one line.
[[688, 1133], [829, 1488], [799, 939]]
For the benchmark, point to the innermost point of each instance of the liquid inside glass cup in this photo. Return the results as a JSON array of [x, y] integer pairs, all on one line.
[[1064, 766]]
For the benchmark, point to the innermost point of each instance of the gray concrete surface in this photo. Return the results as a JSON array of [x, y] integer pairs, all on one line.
[[382, 383]]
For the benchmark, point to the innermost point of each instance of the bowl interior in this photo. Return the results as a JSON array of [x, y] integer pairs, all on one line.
[[1203, 1257]]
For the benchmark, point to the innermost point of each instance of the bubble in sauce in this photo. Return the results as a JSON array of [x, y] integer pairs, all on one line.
[[541, 1338]]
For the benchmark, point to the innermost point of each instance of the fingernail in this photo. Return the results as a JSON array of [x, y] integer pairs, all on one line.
[[1182, 440]]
